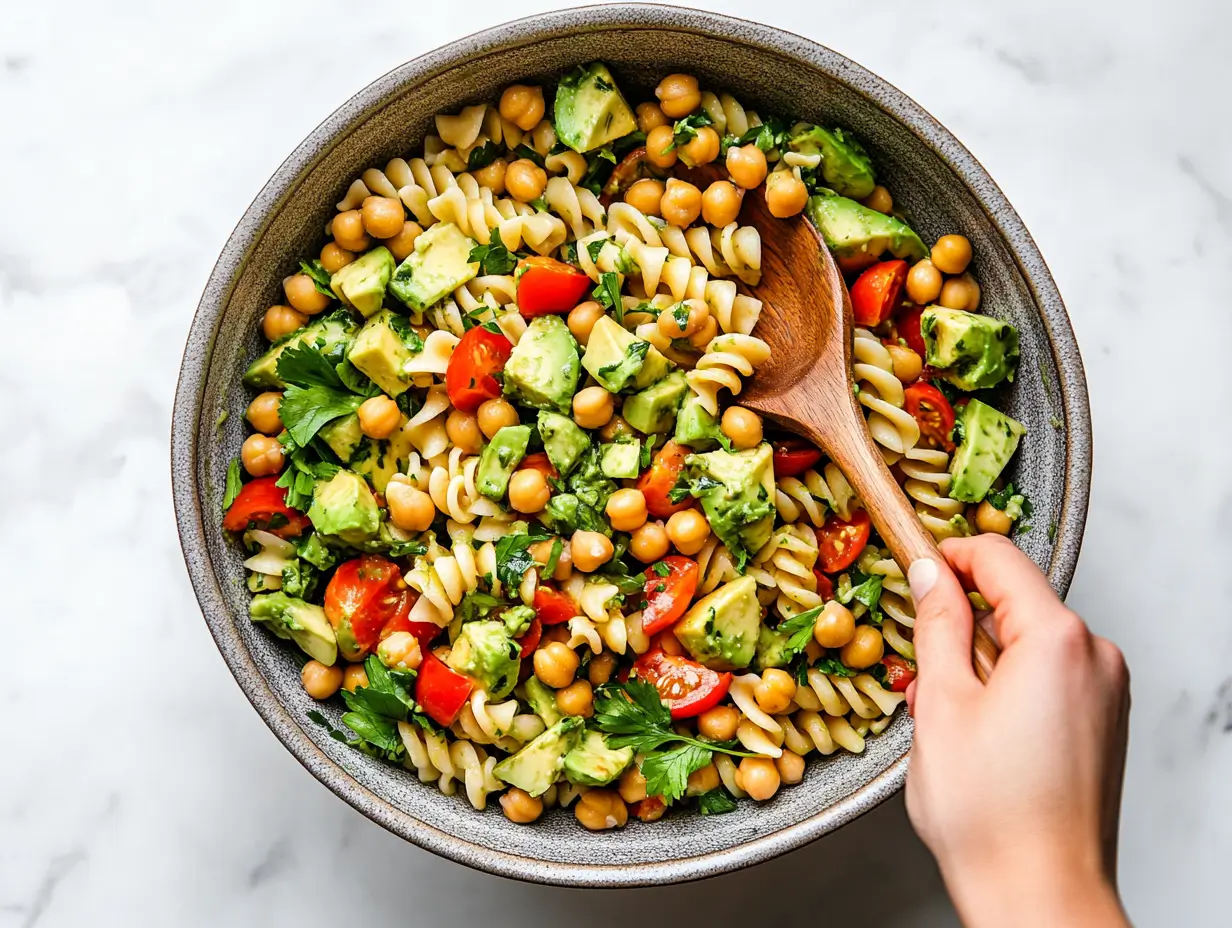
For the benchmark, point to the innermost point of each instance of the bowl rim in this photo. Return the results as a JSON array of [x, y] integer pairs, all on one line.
[[187, 412]]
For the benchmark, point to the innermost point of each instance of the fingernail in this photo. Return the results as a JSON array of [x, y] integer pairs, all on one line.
[[922, 576]]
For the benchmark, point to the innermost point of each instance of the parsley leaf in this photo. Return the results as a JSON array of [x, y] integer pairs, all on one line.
[[595, 248], [834, 667], [305, 410], [685, 130], [303, 366], [320, 277], [662, 569], [866, 589], [482, 155], [667, 772], [558, 547], [599, 165], [608, 294], [799, 629], [234, 484], [513, 558], [525, 151], [494, 257], [478, 605], [715, 802]]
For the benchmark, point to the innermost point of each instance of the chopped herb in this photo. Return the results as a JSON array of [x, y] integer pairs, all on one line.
[[715, 802], [635, 352], [1056, 423], [494, 257], [234, 484], [513, 558], [540, 204], [304, 366], [834, 668], [304, 410], [866, 589], [595, 248], [685, 130], [320, 277], [1052, 531], [558, 546], [799, 630], [662, 569], [525, 151], [407, 549], [625, 263], [608, 294], [482, 155]]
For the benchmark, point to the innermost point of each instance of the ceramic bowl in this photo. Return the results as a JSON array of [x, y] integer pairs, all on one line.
[[934, 180]]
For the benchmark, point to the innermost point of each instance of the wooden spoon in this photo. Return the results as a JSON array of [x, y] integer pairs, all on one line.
[[807, 384]]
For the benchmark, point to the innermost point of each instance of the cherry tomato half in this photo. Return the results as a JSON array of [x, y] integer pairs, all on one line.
[[633, 167], [932, 411], [553, 607], [668, 597], [441, 691], [825, 586], [468, 377], [529, 639], [793, 456], [686, 687], [259, 503], [366, 596], [877, 291], [547, 286], [899, 672], [909, 329], [840, 543], [661, 477]]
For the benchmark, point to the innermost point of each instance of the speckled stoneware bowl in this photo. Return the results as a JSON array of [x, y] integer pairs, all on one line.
[[933, 178]]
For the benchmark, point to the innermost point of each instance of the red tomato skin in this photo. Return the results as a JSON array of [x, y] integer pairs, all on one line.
[[709, 686], [547, 286], [539, 461], [659, 479], [793, 456], [825, 586], [553, 607], [529, 641], [664, 607], [900, 672], [876, 292], [853, 534], [917, 399], [257, 501], [468, 376], [441, 691], [367, 594], [909, 329]]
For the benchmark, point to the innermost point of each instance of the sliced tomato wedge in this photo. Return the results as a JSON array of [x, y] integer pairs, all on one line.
[[825, 586], [686, 687], [932, 411], [547, 286], [529, 639], [840, 543], [899, 672], [261, 504], [661, 477], [668, 597], [539, 461], [364, 597], [441, 691], [909, 328], [633, 167], [876, 292], [793, 456], [553, 607], [425, 632], [476, 357]]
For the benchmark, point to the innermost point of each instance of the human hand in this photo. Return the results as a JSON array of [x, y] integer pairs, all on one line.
[[1015, 786]]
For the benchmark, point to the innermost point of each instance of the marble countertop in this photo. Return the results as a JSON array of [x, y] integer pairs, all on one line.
[[139, 788]]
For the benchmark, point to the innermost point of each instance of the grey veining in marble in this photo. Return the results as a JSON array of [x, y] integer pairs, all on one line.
[[140, 789]]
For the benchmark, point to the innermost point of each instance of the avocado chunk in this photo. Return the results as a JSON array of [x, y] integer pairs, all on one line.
[[438, 266], [737, 494], [653, 410], [485, 651], [542, 700], [517, 619], [332, 335], [542, 371], [772, 650], [298, 621], [563, 440], [618, 359], [378, 460], [845, 164], [721, 629], [361, 284], [973, 352], [344, 508], [620, 460], [590, 111], [538, 765], [989, 440], [695, 426], [851, 230], [382, 348], [343, 436], [500, 456], [593, 763]]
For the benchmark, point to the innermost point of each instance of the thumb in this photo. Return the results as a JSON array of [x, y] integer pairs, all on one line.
[[943, 624]]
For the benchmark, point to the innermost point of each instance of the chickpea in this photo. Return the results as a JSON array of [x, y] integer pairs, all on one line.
[[865, 649], [907, 364], [649, 543], [263, 414], [282, 320], [601, 668], [600, 809], [650, 809], [681, 203], [410, 509], [463, 430], [582, 319], [645, 195], [382, 216], [525, 180], [702, 148], [593, 407], [992, 521], [626, 510], [720, 204], [591, 550], [683, 319], [790, 767], [320, 681], [785, 194], [379, 417], [670, 643], [520, 806], [578, 698], [758, 777], [703, 336], [303, 294], [354, 677], [775, 691], [678, 95], [835, 626], [951, 254], [719, 723], [261, 455], [528, 490], [348, 231], [660, 147], [558, 634], [496, 414], [334, 258], [400, 650], [747, 165], [402, 244], [880, 200], [688, 530], [632, 785], [649, 116], [615, 428], [960, 293], [924, 283], [492, 176], [703, 780], [742, 426], [522, 105], [555, 664]]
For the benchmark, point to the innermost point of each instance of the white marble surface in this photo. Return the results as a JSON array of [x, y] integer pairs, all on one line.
[[136, 785]]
